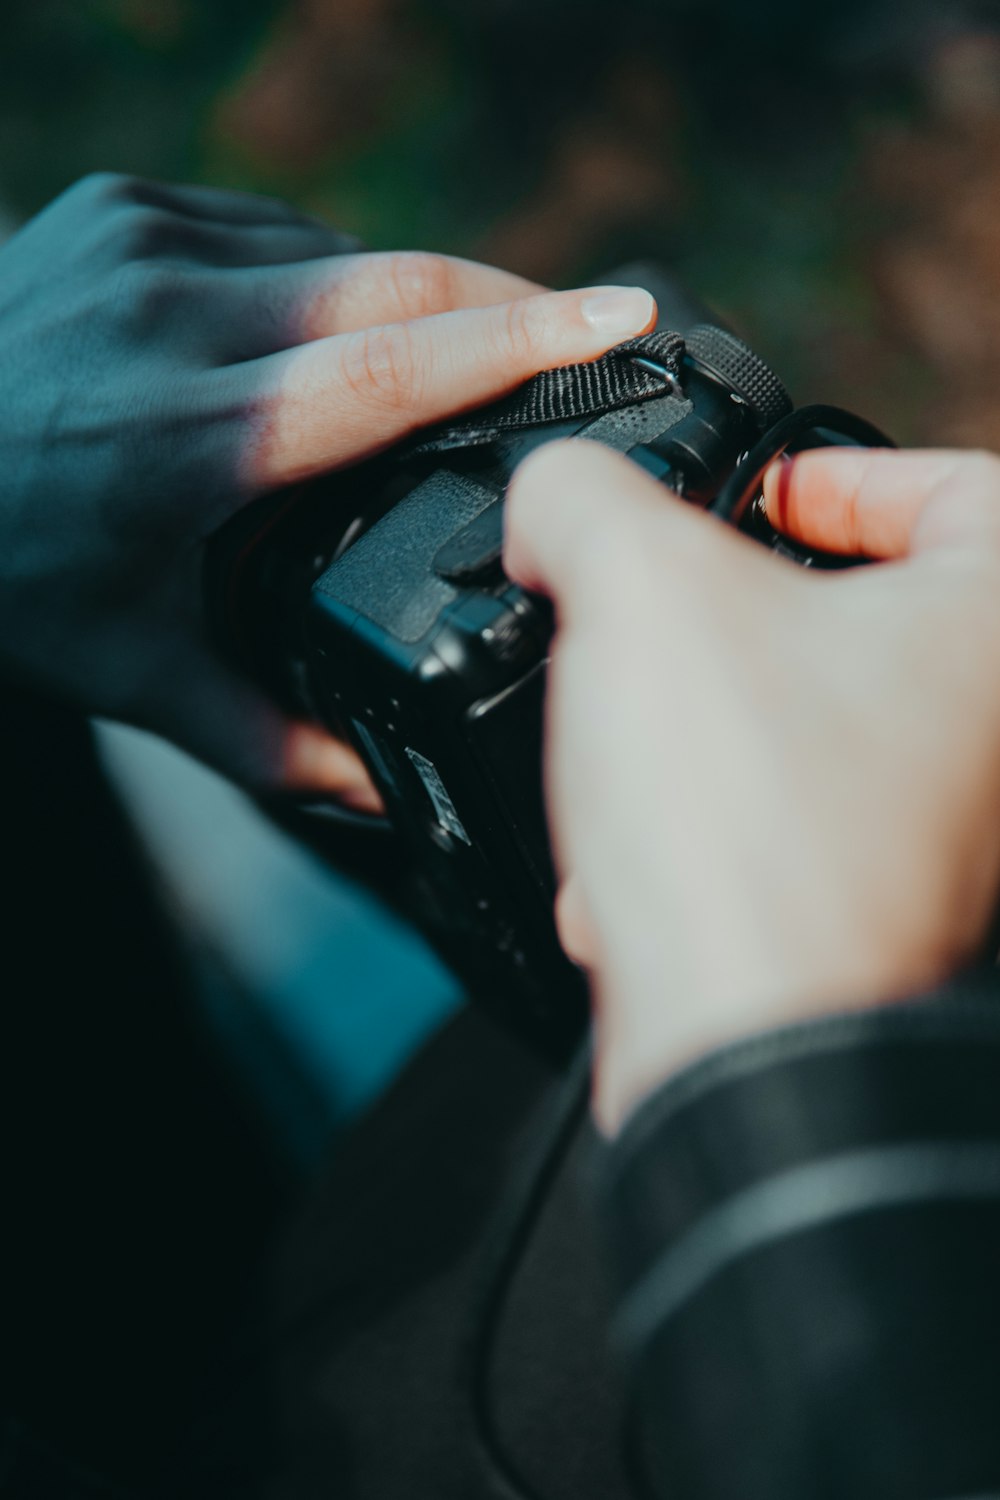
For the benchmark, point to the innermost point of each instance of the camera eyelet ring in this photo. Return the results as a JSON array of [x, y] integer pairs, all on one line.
[[830, 425], [669, 377]]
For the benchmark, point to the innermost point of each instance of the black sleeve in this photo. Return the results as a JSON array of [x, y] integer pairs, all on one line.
[[807, 1229]]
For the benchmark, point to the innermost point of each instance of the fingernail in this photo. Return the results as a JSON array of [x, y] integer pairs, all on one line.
[[619, 310]]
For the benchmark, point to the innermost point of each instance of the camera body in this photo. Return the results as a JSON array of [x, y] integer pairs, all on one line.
[[375, 601]]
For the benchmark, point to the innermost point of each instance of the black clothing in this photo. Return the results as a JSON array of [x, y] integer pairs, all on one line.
[[136, 1187], [394, 1352], [806, 1226], [808, 1231]]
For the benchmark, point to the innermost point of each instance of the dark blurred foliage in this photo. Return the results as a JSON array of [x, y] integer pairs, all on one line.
[[828, 175]]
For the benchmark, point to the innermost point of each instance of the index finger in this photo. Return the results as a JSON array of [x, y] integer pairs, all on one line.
[[873, 502], [315, 299], [340, 399]]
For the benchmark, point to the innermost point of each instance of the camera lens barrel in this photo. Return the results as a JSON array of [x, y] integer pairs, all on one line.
[[734, 364], [734, 397]]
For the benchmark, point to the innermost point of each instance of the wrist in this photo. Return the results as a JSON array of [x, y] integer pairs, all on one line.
[[657, 1012]]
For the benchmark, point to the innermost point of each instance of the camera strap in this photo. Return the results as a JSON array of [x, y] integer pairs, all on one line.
[[631, 372]]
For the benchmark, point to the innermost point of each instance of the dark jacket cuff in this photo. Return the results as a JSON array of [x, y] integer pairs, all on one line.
[[807, 1229]]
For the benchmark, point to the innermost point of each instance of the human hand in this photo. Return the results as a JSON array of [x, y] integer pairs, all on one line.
[[167, 354], [773, 793]]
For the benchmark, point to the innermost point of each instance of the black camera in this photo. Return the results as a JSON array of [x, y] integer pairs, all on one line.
[[374, 600]]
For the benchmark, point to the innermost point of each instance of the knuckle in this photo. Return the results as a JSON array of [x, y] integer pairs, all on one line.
[[110, 189], [421, 282], [100, 186], [380, 367], [518, 332], [144, 297], [144, 233]]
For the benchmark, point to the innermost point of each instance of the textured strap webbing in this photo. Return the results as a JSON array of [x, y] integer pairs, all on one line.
[[617, 379]]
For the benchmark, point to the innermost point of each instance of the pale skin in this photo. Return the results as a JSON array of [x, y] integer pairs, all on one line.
[[169, 353], [773, 793]]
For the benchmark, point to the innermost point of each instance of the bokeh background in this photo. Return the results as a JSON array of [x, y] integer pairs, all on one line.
[[827, 175]]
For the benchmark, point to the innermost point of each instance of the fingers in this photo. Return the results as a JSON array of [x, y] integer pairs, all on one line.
[[226, 721], [883, 504], [362, 291], [316, 299], [223, 206], [339, 399], [248, 245], [315, 762], [572, 512], [138, 220], [576, 930], [568, 503]]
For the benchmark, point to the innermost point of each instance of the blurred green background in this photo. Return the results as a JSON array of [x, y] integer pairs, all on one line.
[[828, 176]]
